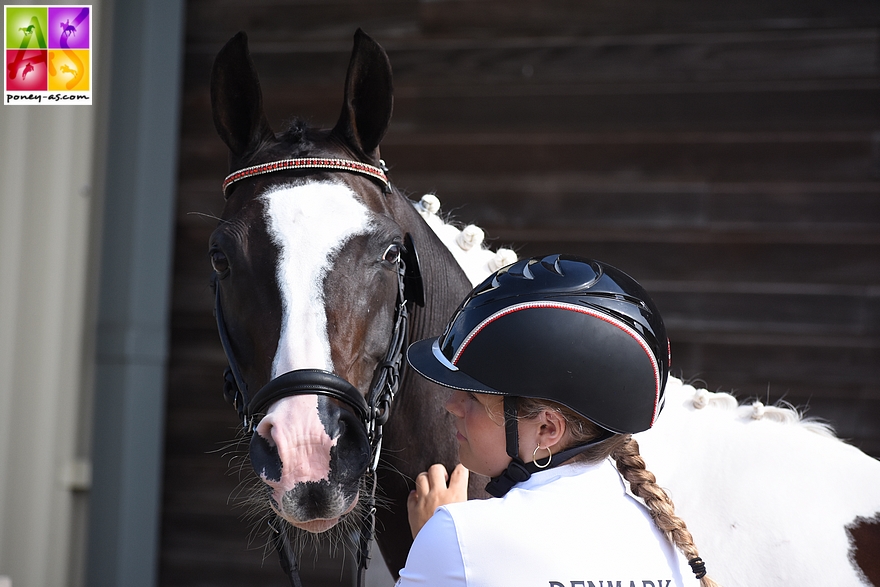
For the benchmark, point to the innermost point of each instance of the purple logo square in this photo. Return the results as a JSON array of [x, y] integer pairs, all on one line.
[[69, 27]]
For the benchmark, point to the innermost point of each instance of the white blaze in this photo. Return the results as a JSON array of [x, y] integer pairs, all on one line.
[[308, 223]]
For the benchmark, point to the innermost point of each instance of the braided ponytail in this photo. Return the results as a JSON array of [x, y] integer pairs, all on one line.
[[644, 485]]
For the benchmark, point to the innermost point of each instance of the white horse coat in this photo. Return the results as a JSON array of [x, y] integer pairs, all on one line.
[[767, 501]]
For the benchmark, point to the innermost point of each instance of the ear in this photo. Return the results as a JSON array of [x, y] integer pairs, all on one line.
[[369, 99], [413, 289], [236, 98], [550, 430]]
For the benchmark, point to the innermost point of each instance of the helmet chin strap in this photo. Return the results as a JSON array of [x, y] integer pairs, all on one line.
[[518, 471]]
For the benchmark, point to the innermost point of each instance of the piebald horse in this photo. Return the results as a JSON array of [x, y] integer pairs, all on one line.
[[322, 269]]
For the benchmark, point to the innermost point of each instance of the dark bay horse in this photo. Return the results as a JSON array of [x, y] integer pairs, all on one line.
[[307, 262], [319, 263]]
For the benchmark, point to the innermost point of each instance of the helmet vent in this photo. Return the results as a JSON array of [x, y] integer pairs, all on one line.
[[553, 267], [521, 269]]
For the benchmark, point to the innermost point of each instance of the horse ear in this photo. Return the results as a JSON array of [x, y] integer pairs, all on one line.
[[369, 99], [413, 289], [236, 98]]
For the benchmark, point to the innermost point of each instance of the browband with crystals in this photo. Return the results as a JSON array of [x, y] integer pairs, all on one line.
[[308, 163]]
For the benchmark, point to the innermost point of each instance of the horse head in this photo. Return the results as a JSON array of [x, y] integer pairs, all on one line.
[[315, 272]]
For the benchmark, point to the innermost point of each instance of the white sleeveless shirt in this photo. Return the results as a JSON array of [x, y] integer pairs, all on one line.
[[571, 526]]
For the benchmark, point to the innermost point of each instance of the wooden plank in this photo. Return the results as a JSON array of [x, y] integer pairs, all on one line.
[[655, 157], [643, 59], [560, 201], [739, 107], [327, 20], [755, 369], [491, 18], [847, 317], [568, 107], [725, 263], [477, 63], [645, 108], [683, 156], [582, 83]]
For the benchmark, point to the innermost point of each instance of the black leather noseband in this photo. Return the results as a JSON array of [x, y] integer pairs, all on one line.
[[308, 381]]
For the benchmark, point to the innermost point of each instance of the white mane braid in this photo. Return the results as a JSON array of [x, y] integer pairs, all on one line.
[[782, 412], [466, 244], [768, 494]]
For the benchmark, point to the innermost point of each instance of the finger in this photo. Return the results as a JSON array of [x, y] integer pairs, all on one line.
[[459, 477], [423, 484], [437, 476], [458, 484]]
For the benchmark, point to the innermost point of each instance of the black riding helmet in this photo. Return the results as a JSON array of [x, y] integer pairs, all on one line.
[[575, 331]]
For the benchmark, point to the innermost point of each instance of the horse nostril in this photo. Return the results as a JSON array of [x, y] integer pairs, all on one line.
[[264, 429], [264, 457]]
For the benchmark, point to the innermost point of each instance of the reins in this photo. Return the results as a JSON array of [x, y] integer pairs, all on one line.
[[372, 411]]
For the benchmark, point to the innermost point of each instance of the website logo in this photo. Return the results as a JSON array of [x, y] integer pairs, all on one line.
[[48, 54]]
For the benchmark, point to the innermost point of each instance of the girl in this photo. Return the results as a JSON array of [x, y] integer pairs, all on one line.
[[555, 362]]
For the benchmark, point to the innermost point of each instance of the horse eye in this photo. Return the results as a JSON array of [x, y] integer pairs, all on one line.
[[219, 262], [392, 254]]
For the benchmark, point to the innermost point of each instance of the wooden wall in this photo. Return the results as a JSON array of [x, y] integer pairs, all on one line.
[[727, 155]]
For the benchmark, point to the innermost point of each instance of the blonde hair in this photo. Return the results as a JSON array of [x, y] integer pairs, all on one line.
[[624, 450]]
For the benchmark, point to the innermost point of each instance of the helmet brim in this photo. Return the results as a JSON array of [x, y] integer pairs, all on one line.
[[425, 357]]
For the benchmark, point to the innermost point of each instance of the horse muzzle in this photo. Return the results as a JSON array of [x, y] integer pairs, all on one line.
[[311, 451]]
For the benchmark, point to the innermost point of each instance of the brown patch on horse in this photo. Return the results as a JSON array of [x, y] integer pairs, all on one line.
[[864, 534]]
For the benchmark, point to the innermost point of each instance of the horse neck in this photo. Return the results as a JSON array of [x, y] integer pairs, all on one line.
[[445, 283], [419, 432]]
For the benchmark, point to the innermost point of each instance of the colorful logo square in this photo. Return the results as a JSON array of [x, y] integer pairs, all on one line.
[[26, 27], [68, 70], [48, 54], [26, 71], [69, 27]]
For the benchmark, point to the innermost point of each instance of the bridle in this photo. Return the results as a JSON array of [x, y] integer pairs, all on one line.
[[373, 411]]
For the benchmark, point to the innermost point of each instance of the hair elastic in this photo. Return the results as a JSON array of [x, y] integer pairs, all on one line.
[[698, 567]]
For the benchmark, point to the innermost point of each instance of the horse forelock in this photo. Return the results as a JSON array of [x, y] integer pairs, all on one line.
[[309, 223]]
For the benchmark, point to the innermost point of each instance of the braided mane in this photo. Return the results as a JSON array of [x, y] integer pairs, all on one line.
[[466, 244], [781, 412]]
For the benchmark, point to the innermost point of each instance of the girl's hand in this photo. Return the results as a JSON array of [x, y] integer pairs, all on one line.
[[432, 491]]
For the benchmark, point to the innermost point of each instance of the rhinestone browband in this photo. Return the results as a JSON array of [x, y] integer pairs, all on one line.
[[307, 163]]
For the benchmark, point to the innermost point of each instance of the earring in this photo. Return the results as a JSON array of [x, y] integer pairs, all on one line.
[[535, 460]]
